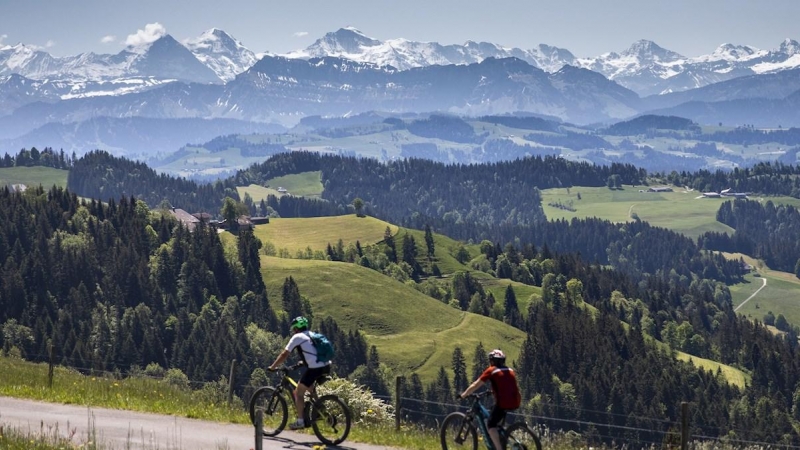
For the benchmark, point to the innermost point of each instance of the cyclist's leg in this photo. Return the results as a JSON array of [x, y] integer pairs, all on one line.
[[497, 415], [306, 383]]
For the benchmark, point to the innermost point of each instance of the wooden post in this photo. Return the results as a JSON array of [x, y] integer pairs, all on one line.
[[230, 382], [259, 427], [398, 384], [50, 366], [684, 426]]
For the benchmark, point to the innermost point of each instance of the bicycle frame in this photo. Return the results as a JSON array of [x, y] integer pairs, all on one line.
[[478, 411], [288, 385]]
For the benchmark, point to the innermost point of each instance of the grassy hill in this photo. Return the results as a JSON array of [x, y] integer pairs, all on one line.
[[318, 232], [779, 295], [413, 332], [682, 211], [33, 176], [306, 184]]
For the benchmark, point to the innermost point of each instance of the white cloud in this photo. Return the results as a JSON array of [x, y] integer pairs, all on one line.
[[151, 33], [300, 34], [50, 43], [108, 39]]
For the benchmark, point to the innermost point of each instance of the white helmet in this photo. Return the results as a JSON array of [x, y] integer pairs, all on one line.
[[497, 355]]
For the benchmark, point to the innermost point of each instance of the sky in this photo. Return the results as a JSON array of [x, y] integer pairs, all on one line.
[[584, 27]]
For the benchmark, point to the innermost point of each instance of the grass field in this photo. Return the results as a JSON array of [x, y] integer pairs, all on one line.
[[318, 232], [33, 176], [413, 332], [733, 375], [681, 211], [781, 295]]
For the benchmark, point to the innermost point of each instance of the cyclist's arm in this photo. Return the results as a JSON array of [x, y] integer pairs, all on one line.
[[472, 387], [280, 359]]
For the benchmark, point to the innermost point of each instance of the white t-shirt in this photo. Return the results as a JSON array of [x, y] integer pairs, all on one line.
[[303, 340]]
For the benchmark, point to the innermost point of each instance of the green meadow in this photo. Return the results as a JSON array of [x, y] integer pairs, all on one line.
[[306, 184], [781, 295], [33, 176], [413, 332], [318, 232], [683, 211]]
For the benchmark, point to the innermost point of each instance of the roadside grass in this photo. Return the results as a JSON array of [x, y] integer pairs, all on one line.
[[413, 332], [318, 232], [23, 379], [33, 176], [779, 296], [46, 439]]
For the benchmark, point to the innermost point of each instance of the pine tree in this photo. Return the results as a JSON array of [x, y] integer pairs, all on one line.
[[480, 361], [511, 314], [459, 371], [429, 243]]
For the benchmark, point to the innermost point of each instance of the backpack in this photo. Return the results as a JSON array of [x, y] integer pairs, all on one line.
[[323, 347]]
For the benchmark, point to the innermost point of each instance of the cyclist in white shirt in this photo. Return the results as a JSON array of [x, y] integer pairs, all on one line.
[[314, 370]]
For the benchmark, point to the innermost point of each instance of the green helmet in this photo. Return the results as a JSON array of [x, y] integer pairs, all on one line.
[[299, 323]]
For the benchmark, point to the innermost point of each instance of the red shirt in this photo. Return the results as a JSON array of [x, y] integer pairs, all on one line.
[[504, 386]]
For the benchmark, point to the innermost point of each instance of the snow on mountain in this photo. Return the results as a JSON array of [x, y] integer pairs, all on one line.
[[403, 54], [163, 58], [220, 52]]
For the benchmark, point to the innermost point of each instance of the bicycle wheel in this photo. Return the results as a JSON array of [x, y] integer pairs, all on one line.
[[520, 437], [330, 418], [273, 406], [458, 432]]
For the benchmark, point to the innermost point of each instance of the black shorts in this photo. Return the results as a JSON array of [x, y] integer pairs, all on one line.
[[311, 375], [497, 415]]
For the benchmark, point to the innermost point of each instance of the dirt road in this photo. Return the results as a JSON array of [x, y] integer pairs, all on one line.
[[119, 429]]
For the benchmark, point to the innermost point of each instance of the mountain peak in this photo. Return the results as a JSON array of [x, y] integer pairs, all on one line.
[[790, 47], [732, 52], [649, 50]]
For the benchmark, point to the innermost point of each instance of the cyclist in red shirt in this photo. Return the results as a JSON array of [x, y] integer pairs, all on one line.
[[504, 387]]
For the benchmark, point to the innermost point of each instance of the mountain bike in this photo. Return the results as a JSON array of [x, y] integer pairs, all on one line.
[[458, 430], [328, 415]]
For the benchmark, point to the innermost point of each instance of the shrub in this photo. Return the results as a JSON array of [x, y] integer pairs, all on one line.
[[176, 377], [365, 408]]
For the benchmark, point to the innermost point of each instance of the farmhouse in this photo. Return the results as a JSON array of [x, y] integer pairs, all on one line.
[[186, 219], [17, 187], [282, 190], [660, 189], [712, 195]]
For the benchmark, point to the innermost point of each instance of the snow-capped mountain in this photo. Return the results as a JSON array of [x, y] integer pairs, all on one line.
[[163, 59], [220, 52], [403, 54], [645, 67], [649, 69]]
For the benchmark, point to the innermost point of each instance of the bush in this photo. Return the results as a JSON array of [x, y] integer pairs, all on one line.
[[364, 407], [175, 377]]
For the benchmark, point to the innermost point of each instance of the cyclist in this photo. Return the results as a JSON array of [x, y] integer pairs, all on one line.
[[301, 341], [505, 390]]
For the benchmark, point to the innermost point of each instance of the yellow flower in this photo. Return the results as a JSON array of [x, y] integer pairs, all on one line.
[[369, 411]]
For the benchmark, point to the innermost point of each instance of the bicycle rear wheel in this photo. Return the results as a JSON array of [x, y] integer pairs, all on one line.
[[330, 419], [274, 408], [520, 437], [458, 433]]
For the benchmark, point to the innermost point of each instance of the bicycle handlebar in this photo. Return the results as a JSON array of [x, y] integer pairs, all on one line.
[[285, 368], [475, 395]]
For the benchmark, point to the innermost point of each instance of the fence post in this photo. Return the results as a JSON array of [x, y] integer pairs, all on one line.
[[50, 366], [684, 426], [230, 382], [398, 383], [259, 427]]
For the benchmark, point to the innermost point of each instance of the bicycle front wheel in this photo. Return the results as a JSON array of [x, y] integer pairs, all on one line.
[[520, 437], [330, 419], [457, 432], [271, 403]]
